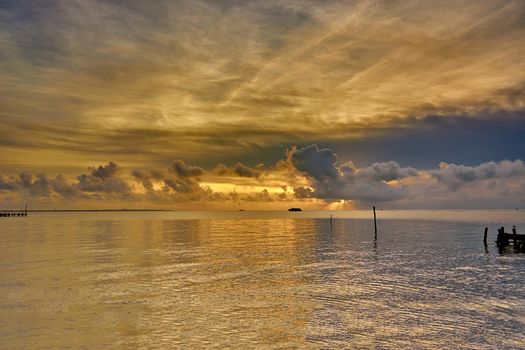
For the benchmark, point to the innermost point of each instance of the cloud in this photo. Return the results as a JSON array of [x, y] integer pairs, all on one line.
[[317, 163], [103, 179], [238, 169], [104, 171], [220, 77], [263, 196], [390, 182], [64, 188], [456, 176], [308, 174], [40, 185], [184, 170], [303, 192], [7, 184], [182, 185], [332, 181], [143, 178]]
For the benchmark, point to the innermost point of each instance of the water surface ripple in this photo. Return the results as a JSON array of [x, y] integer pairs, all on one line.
[[269, 281]]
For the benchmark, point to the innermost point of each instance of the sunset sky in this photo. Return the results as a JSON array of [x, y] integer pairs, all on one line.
[[230, 104]]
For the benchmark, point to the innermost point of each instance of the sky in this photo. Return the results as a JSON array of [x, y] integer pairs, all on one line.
[[263, 105]]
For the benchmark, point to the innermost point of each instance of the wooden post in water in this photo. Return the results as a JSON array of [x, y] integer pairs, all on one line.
[[375, 223], [485, 236], [514, 238], [25, 213], [330, 220]]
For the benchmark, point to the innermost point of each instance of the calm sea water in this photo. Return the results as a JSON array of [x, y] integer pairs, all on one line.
[[266, 280]]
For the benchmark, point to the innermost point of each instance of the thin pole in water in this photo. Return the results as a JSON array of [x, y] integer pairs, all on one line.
[[375, 223], [514, 238], [485, 236], [330, 220]]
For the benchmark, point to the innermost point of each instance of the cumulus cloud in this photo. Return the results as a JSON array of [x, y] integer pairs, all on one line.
[[263, 196], [40, 185], [182, 169], [180, 178], [388, 181], [333, 181], [456, 176], [178, 183], [146, 178], [306, 174], [182, 185], [383, 171], [103, 179], [7, 184], [317, 163], [303, 192], [104, 171], [238, 169], [64, 188]]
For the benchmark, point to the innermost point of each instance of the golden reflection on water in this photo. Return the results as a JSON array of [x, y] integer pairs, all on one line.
[[88, 281]]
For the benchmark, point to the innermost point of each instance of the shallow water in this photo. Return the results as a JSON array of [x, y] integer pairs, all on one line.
[[260, 280]]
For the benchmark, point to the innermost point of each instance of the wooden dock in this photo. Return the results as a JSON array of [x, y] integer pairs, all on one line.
[[505, 239], [8, 213]]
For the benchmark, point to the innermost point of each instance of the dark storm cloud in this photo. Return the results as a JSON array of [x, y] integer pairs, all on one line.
[[332, 181], [318, 163]]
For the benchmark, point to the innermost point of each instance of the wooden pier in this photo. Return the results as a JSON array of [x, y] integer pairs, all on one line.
[[7, 213], [506, 239]]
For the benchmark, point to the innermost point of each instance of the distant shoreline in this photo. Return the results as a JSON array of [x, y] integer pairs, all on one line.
[[90, 210], [234, 210]]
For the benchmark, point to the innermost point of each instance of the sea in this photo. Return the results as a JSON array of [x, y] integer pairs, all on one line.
[[261, 280]]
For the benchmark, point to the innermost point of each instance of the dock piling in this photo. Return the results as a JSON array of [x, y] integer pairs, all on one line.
[[375, 223], [515, 239], [506, 239]]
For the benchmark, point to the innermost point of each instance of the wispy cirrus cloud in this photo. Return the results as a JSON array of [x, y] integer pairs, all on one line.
[[95, 80]]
